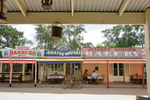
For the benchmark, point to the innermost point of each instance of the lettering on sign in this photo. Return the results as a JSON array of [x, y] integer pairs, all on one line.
[[112, 52], [62, 51], [22, 52]]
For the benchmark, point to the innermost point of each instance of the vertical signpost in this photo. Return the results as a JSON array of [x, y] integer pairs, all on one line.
[[35, 74], [11, 65]]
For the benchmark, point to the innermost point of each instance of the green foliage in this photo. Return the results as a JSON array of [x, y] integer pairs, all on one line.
[[99, 45], [88, 44], [124, 36], [71, 37], [11, 37]]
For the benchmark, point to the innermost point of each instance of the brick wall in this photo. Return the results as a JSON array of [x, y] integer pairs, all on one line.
[[102, 69]]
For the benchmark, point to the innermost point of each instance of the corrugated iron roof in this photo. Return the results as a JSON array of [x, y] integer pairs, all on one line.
[[80, 5]]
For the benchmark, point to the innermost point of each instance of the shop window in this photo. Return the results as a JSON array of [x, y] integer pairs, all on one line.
[[6, 68], [115, 70], [17, 67], [0, 54], [145, 69], [28, 69], [77, 68], [120, 69], [55, 68]]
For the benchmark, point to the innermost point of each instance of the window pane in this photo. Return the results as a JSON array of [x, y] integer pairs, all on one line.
[[115, 70], [121, 72], [6, 68], [120, 65], [120, 69], [115, 65], [17, 67], [77, 69]]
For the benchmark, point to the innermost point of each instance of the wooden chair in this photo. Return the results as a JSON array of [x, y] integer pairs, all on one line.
[[102, 80]]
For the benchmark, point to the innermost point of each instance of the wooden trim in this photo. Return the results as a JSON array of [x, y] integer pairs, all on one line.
[[123, 7], [22, 8], [80, 18]]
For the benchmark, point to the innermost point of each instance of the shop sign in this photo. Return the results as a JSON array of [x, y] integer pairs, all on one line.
[[62, 51], [22, 47], [110, 53], [22, 53]]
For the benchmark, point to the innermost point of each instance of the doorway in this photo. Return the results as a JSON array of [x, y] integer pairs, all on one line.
[[68, 69], [75, 70], [118, 72]]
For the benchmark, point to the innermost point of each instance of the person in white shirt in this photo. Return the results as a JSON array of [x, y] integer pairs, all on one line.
[[94, 76]]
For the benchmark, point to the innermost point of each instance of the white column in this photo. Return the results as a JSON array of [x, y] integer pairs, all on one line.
[[147, 47], [64, 68], [39, 72], [1, 68], [32, 68], [23, 72]]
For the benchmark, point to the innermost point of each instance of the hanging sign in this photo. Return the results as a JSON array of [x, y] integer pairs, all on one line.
[[112, 53], [22, 52], [62, 51]]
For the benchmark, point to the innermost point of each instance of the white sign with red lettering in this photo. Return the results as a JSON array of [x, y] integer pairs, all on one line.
[[22, 53], [22, 48]]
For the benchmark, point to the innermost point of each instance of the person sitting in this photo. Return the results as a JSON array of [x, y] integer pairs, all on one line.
[[94, 76], [85, 76]]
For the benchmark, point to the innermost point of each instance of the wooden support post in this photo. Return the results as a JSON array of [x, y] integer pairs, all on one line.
[[23, 71], [147, 47], [35, 81], [11, 65], [143, 76], [71, 70], [107, 74]]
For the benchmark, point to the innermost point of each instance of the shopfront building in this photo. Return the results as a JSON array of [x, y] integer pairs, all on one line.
[[60, 63], [19, 64], [116, 64]]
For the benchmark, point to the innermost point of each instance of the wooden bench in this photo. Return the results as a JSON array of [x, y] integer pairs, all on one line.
[[4, 76]]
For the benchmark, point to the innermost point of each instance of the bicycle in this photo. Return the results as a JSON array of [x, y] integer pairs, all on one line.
[[72, 83]]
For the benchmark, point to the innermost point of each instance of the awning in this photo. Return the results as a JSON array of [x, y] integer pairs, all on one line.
[[52, 62], [4, 62], [114, 61], [21, 62]]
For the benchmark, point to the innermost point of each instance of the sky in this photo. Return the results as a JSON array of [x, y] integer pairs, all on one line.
[[93, 33]]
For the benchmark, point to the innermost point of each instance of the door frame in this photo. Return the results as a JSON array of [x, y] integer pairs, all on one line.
[[118, 78]]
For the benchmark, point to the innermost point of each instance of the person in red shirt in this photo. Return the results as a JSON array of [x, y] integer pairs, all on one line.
[[85, 76]]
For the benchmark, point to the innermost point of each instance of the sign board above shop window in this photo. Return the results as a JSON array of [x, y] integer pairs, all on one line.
[[112, 53], [22, 52], [62, 51]]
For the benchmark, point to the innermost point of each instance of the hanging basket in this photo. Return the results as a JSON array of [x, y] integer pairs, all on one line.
[[56, 32]]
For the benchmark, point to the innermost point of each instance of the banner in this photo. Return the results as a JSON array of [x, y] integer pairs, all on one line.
[[22, 52], [112, 53], [62, 51]]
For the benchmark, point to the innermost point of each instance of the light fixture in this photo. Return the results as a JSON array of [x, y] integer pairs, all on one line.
[[56, 32], [3, 12], [46, 4]]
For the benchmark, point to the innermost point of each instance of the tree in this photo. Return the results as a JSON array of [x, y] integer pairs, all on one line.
[[11, 37], [88, 44], [124, 36], [99, 45], [71, 37]]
